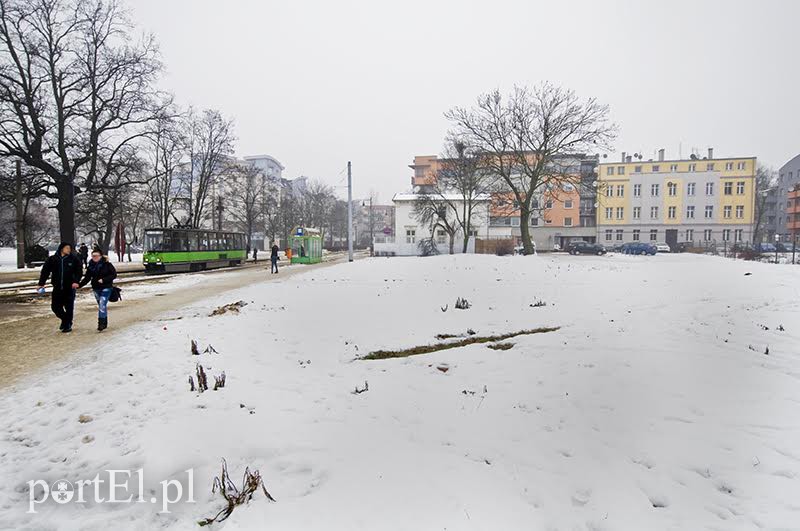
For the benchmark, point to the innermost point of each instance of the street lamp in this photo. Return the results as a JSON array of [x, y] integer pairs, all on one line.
[[777, 239]]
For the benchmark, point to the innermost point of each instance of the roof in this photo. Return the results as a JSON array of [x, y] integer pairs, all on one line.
[[446, 197], [268, 157]]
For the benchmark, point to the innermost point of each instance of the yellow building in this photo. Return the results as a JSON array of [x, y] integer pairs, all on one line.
[[701, 201]]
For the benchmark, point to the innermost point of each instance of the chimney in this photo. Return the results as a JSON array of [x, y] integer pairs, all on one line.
[[711, 153], [629, 159], [623, 156], [661, 154]]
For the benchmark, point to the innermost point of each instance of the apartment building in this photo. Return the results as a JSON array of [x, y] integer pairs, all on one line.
[[788, 179], [704, 201], [560, 213]]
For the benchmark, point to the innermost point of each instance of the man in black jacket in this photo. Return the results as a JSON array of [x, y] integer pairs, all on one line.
[[64, 270]]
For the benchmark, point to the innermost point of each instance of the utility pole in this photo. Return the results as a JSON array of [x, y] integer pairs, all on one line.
[[20, 234], [349, 214]]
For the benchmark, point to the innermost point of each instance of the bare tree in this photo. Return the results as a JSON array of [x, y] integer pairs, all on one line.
[[317, 202], [765, 180], [529, 139], [247, 189], [434, 211], [75, 89], [460, 186], [210, 144], [167, 150]]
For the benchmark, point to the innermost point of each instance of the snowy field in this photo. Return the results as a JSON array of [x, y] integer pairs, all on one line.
[[654, 406]]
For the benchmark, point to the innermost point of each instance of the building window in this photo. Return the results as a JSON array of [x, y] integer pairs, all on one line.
[[567, 222], [473, 233], [690, 189], [710, 166], [726, 235], [548, 203], [690, 212], [692, 167], [441, 236], [637, 212], [654, 190], [726, 211], [609, 234], [636, 233], [620, 213], [534, 203], [673, 167], [637, 169], [655, 168], [729, 166], [738, 234], [568, 203], [534, 222], [740, 188], [709, 188], [411, 236], [621, 170], [671, 212], [707, 235], [548, 221], [653, 235], [609, 213], [709, 211], [654, 212], [637, 190], [672, 189], [610, 190], [620, 190], [739, 211], [619, 235], [740, 166], [728, 190], [689, 235], [610, 170]]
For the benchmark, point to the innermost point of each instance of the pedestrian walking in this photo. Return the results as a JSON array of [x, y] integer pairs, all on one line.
[[255, 255], [274, 258], [83, 252], [64, 270], [101, 272]]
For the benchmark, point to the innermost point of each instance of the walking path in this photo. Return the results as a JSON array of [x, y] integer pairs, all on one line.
[[32, 341]]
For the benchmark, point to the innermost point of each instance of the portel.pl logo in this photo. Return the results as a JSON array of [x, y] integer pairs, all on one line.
[[114, 487]]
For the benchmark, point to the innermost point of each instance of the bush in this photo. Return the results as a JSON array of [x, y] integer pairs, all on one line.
[[504, 247]]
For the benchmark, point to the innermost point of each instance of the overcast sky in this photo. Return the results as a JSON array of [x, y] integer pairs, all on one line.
[[315, 84]]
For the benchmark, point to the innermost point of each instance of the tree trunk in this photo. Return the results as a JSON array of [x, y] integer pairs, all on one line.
[[466, 236], [452, 243], [525, 229], [66, 210]]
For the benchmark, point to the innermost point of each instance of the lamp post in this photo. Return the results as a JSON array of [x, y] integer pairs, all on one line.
[[777, 239]]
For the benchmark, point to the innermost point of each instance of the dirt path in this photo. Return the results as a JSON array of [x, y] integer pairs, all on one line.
[[32, 342]]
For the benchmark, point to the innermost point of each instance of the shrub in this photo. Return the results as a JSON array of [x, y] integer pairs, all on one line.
[[504, 247]]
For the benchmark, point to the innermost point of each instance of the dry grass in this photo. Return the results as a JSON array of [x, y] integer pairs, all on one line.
[[427, 349]]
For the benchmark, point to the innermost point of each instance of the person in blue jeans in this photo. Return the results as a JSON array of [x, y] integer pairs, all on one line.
[[101, 273]]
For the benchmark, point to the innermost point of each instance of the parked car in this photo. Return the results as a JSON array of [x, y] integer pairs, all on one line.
[[785, 247], [662, 247], [765, 248], [639, 248], [576, 248]]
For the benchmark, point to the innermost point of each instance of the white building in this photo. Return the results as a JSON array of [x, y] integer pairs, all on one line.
[[409, 232], [270, 167]]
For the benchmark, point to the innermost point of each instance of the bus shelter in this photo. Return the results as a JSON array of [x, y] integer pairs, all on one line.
[[306, 246]]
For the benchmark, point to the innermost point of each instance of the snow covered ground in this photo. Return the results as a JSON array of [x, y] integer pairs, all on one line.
[[654, 406], [8, 258]]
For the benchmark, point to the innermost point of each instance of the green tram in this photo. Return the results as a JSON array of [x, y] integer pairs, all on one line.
[[171, 250]]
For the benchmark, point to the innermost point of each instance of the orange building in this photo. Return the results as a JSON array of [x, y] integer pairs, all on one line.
[[793, 212]]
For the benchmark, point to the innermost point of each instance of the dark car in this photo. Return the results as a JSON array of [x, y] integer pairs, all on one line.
[[784, 247], [765, 248], [586, 248], [639, 248]]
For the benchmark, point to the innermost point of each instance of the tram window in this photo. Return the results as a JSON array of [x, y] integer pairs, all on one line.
[[194, 241], [203, 236], [152, 240], [166, 243]]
